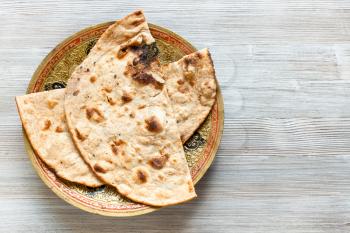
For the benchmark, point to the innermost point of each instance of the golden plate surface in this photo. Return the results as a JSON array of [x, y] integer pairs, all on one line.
[[53, 73]]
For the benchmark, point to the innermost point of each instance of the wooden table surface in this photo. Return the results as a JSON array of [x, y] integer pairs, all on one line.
[[284, 70]]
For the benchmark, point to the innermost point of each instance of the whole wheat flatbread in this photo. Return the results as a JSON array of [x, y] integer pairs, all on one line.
[[43, 119], [191, 97], [121, 119], [191, 86]]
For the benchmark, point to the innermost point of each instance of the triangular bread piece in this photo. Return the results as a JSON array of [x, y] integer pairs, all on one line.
[[191, 86], [121, 119], [43, 119]]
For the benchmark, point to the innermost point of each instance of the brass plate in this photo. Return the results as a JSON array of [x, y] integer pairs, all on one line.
[[53, 73]]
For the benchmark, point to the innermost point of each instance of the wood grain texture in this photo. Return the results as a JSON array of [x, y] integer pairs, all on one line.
[[284, 160]]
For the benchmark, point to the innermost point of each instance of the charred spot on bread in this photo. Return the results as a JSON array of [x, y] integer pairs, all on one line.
[[180, 81], [75, 93], [182, 89], [51, 103], [107, 89], [93, 79], [108, 160], [135, 61], [139, 12], [146, 52], [138, 22], [161, 177], [187, 62], [132, 115], [114, 149], [145, 59], [98, 168], [111, 101], [145, 79], [122, 52], [116, 144], [199, 55], [141, 176], [79, 135], [119, 142], [59, 129], [130, 70], [94, 114], [153, 125], [145, 56], [126, 97], [189, 75], [158, 162], [47, 125]]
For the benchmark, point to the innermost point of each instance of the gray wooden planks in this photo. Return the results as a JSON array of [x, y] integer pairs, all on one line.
[[284, 70]]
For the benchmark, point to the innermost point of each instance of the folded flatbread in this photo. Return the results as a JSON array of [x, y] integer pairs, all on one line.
[[191, 86], [43, 119], [121, 120]]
